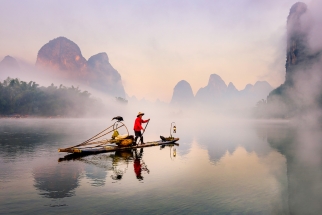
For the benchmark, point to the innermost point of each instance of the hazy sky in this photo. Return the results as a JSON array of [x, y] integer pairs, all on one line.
[[156, 43]]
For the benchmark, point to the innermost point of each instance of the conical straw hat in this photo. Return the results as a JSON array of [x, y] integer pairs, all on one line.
[[140, 114]]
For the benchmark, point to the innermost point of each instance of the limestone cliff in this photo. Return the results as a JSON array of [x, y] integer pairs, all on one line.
[[64, 58], [218, 93], [9, 63], [302, 87], [213, 92], [105, 77], [297, 46], [232, 90], [182, 94], [62, 54]]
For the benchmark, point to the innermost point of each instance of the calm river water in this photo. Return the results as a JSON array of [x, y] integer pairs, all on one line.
[[226, 168]]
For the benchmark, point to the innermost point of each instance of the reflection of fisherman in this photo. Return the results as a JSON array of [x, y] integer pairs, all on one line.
[[138, 166], [138, 127]]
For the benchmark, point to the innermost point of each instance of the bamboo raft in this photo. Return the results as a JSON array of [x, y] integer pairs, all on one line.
[[112, 145], [106, 146]]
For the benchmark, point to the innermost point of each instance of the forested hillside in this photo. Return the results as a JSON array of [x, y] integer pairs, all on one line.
[[28, 98]]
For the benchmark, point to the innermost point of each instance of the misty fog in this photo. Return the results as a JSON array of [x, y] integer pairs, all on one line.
[[250, 141]]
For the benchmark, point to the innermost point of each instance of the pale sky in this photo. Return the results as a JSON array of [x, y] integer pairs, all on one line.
[[156, 43]]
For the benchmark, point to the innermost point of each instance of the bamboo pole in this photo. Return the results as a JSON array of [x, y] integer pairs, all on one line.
[[87, 142]]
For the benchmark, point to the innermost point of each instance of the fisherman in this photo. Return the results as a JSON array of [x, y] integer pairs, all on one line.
[[138, 127]]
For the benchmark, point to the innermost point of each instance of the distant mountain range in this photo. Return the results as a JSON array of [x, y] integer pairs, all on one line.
[[62, 58], [218, 93]]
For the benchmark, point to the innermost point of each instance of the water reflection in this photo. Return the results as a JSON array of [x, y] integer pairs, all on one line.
[[259, 169], [23, 137], [97, 176], [121, 158], [139, 165], [25, 142], [173, 150], [115, 164], [186, 139], [219, 140], [58, 181], [303, 151]]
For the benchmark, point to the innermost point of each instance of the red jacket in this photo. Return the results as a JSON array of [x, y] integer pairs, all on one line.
[[138, 124]]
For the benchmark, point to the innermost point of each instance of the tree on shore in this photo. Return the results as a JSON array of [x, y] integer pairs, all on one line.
[[28, 98]]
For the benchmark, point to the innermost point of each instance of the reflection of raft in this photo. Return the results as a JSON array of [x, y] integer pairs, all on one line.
[[106, 146]]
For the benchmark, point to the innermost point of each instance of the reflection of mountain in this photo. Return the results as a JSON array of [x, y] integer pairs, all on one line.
[[57, 181], [185, 145], [96, 168], [222, 139], [21, 138], [303, 151], [217, 145], [97, 175], [186, 135]]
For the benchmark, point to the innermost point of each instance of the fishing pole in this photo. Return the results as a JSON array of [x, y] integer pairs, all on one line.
[[145, 127]]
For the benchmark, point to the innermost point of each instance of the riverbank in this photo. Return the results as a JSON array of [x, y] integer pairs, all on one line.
[[18, 116]]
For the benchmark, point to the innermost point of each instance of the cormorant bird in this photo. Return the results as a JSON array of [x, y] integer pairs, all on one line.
[[163, 138], [118, 118]]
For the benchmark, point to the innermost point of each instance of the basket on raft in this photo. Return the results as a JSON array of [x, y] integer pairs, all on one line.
[[123, 140]]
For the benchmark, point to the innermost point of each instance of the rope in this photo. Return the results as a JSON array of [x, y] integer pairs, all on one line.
[[105, 134], [91, 139], [95, 137], [128, 134]]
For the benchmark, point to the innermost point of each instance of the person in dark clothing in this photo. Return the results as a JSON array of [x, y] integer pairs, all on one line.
[[138, 127]]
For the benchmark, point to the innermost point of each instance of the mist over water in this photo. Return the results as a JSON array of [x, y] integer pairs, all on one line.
[[227, 162], [220, 166]]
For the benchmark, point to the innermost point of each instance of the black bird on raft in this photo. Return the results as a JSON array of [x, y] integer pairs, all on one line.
[[118, 118], [163, 138]]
